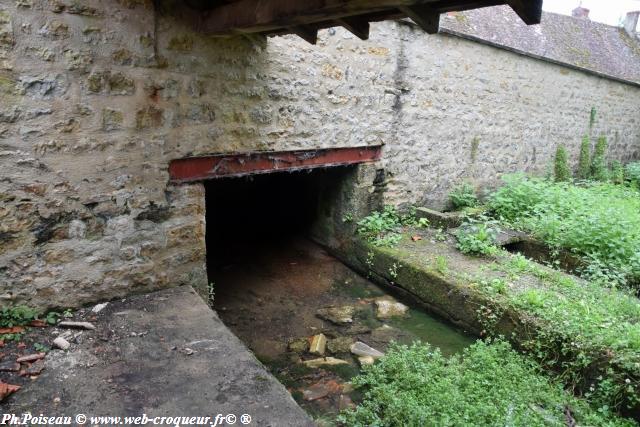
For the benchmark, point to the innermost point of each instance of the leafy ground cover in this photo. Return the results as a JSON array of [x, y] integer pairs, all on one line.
[[584, 334], [598, 221], [489, 384], [584, 328], [384, 228]]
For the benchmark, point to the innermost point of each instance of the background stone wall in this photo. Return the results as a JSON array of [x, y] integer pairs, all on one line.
[[469, 111], [96, 97]]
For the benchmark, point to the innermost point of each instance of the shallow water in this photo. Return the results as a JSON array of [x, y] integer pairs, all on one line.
[[270, 296]]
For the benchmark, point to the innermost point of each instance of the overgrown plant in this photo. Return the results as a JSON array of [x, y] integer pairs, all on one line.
[[463, 196], [489, 384], [478, 237], [578, 322], [584, 160], [632, 173], [21, 315], [599, 170], [384, 228], [561, 167], [617, 172], [600, 222]]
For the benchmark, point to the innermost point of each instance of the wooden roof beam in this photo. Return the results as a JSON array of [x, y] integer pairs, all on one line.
[[274, 16], [425, 16], [305, 32], [357, 26]]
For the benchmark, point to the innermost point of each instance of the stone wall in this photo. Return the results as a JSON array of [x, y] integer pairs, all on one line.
[[469, 111], [96, 97]]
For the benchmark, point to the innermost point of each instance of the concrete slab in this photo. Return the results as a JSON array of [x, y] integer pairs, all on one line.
[[160, 354]]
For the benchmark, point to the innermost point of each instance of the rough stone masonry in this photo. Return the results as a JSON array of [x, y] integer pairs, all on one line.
[[96, 97]]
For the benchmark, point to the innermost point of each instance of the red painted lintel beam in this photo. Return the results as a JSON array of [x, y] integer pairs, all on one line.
[[235, 165]]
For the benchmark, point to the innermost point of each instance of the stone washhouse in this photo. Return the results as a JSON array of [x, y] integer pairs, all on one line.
[[115, 114]]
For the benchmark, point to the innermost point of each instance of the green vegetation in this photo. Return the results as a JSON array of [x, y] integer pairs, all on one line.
[[599, 170], [584, 161], [581, 321], [385, 228], [477, 237], [463, 196], [21, 315], [490, 384], [632, 173], [441, 264], [599, 221], [561, 167]]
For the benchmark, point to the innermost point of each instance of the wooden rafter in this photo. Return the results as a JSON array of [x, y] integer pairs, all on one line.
[[304, 18]]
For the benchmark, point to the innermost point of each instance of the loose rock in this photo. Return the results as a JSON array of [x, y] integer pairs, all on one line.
[[321, 389], [31, 357], [77, 325], [366, 360], [362, 349], [35, 368], [340, 345], [339, 315], [9, 366], [299, 345], [61, 343], [318, 344], [324, 361], [99, 307], [385, 334], [388, 307]]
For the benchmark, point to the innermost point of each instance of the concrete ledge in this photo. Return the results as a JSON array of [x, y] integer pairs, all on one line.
[[162, 354], [454, 296], [440, 219]]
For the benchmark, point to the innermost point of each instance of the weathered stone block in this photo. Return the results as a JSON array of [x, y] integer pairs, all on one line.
[[111, 119], [6, 30], [122, 57], [55, 30], [200, 113], [119, 84], [78, 60], [43, 86], [149, 117]]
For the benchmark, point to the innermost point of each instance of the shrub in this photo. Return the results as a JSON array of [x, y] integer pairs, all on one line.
[[617, 172], [489, 384], [561, 168], [632, 173], [584, 161], [463, 196], [599, 170]]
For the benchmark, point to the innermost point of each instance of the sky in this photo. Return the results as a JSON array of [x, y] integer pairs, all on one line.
[[608, 11]]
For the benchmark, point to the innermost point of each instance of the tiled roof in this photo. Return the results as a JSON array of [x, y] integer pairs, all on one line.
[[576, 42]]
